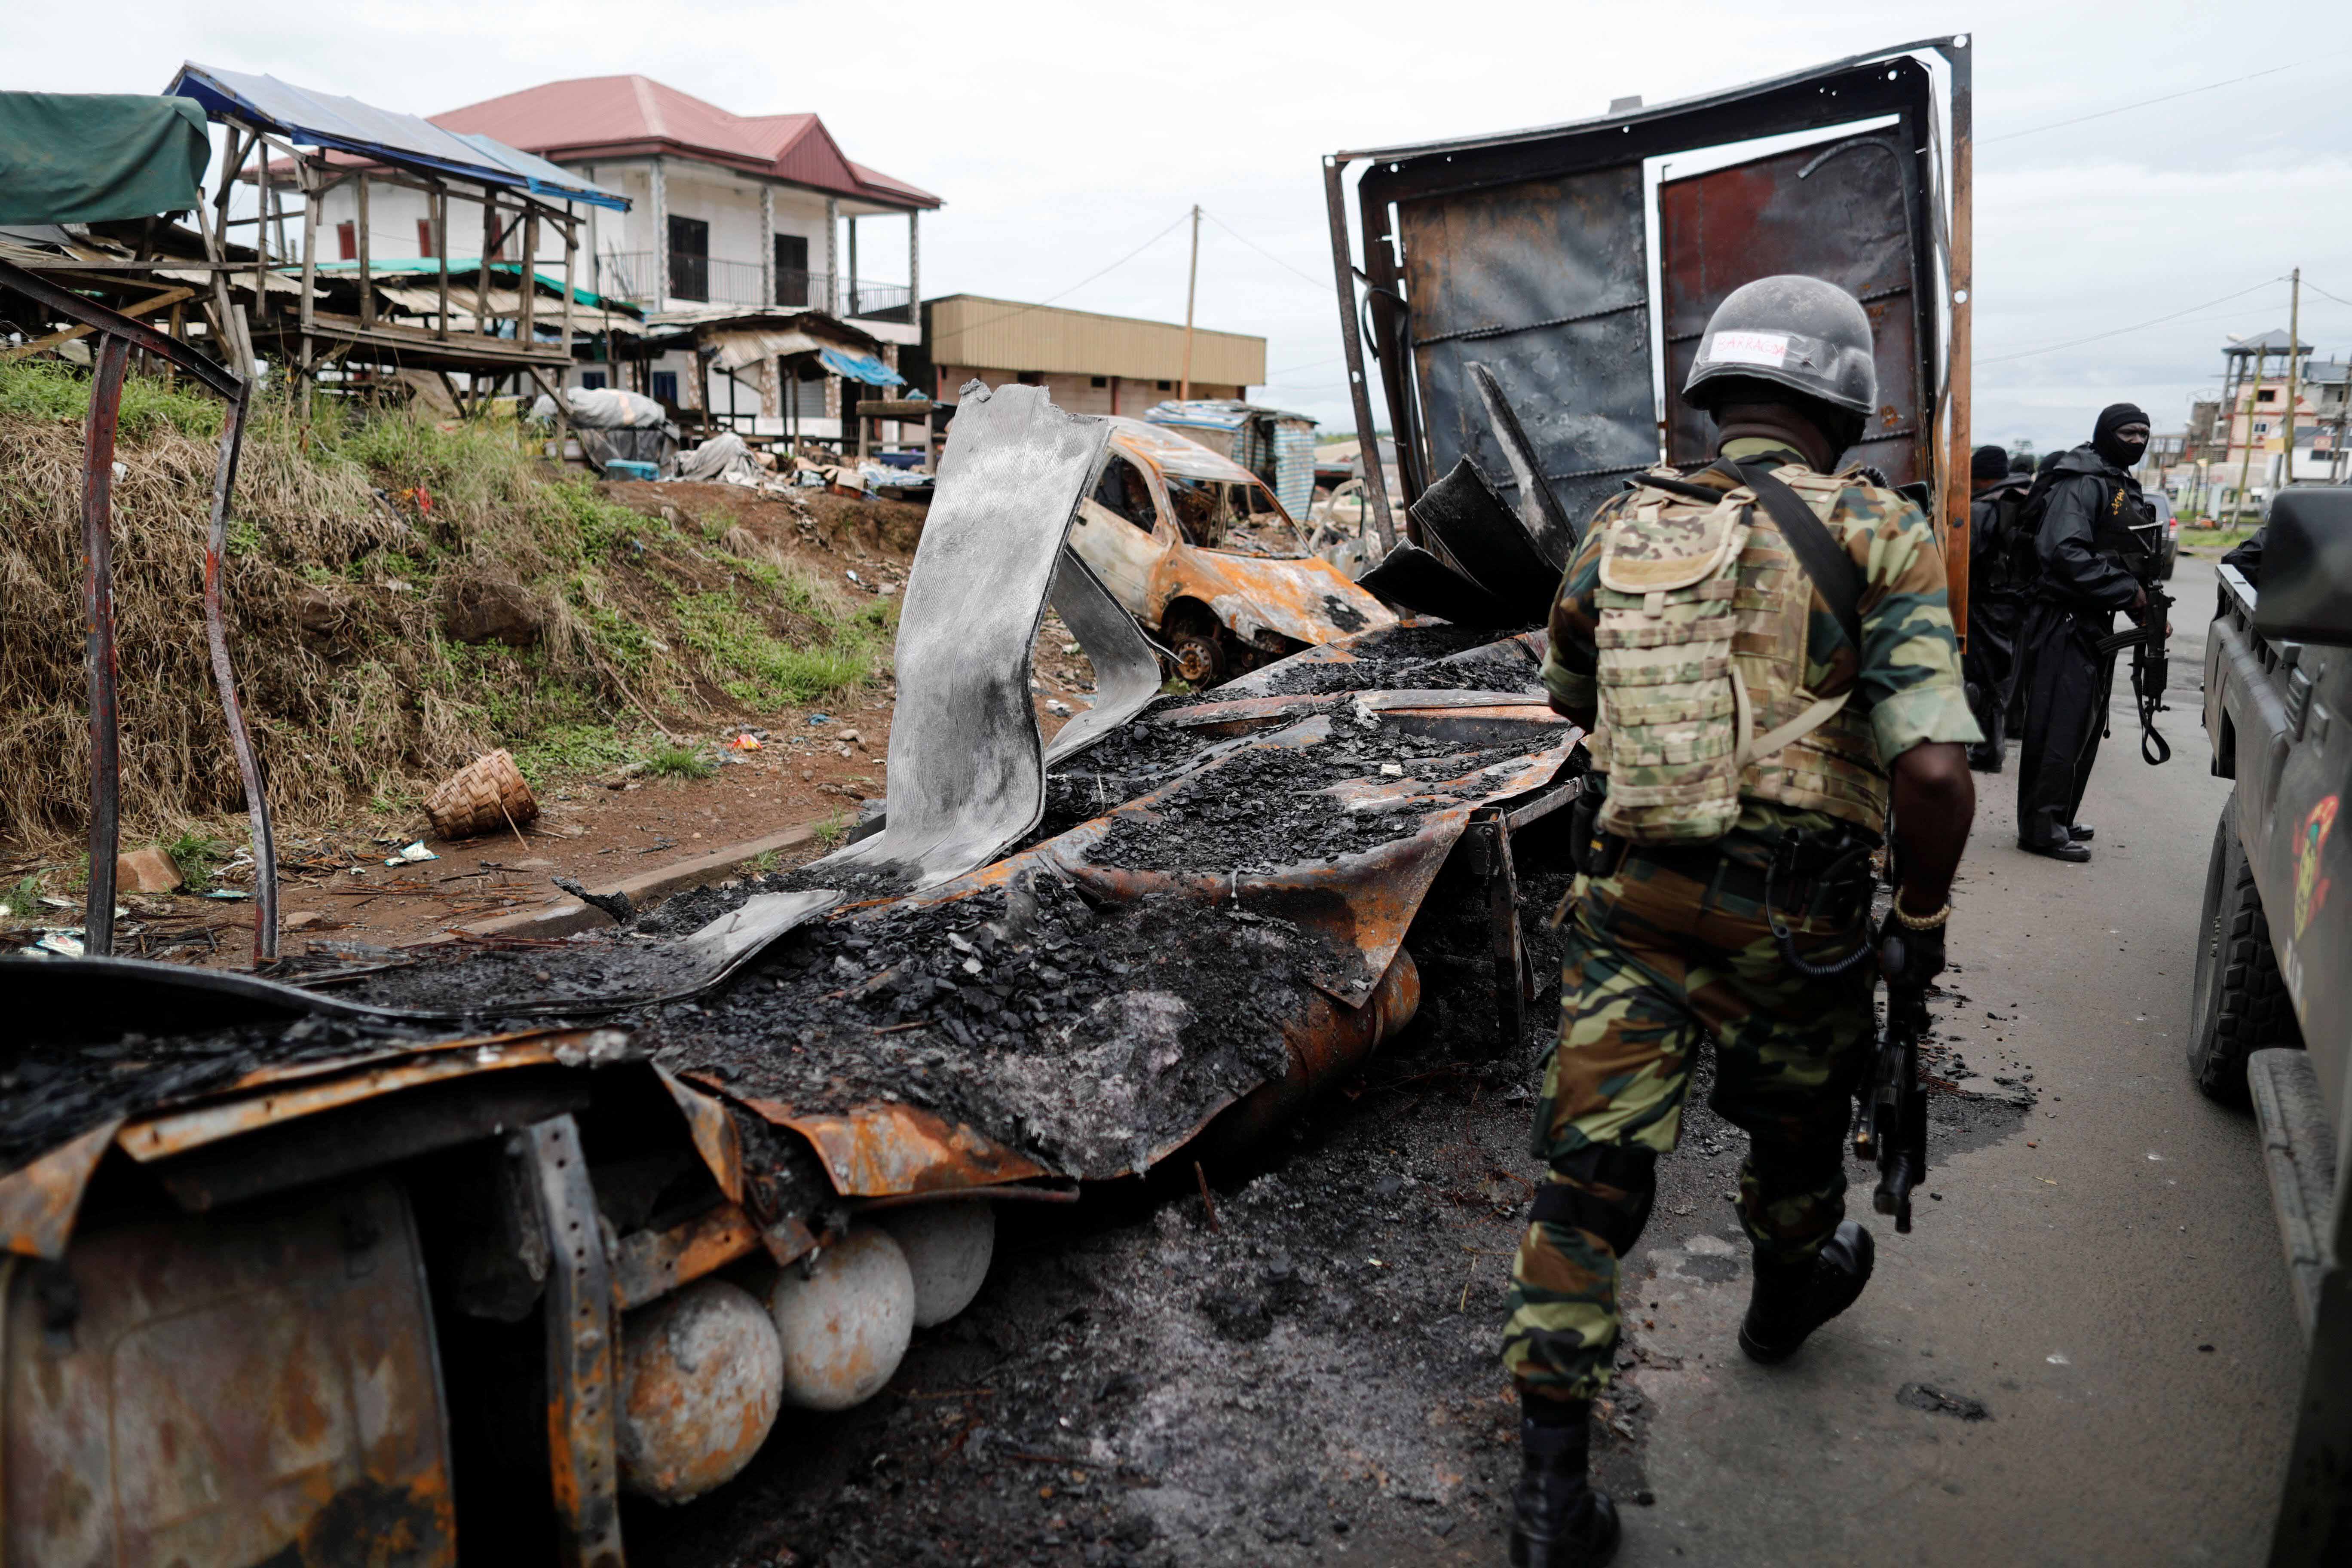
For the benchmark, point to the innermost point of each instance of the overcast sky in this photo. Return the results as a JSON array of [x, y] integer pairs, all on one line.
[[1064, 135]]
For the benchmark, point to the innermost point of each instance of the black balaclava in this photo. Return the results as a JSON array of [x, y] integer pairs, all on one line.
[[2049, 461], [2021, 464], [2123, 453], [1986, 464]]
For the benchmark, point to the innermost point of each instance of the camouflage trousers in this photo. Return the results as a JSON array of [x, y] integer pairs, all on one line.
[[1656, 958]]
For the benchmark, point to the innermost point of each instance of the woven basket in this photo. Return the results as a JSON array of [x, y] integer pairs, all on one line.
[[484, 796]]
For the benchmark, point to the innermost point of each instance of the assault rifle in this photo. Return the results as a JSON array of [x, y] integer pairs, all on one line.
[[1892, 1128], [2149, 668]]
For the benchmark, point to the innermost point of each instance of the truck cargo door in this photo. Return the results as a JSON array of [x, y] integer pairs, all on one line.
[[1545, 282], [1840, 212]]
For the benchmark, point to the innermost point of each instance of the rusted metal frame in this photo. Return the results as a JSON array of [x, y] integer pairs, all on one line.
[[63, 301], [1360, 391], [172, 297], [98, 617], [1490, 831], [581, 1334], [248, 763], [1959, 299]]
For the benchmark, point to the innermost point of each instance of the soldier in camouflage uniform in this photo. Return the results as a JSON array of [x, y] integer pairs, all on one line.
[[1667, 933]]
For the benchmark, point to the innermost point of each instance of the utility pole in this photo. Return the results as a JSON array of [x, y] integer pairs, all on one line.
[[2294, 368], [2246, 465], [1192, 288]]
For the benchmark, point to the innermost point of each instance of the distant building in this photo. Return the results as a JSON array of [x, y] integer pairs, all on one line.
[[1088, 363], [2233, 454]]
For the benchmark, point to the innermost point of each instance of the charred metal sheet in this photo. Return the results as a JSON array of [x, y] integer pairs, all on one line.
[[966, 769], [878, 1150], [650, 1264], [1545, 284], [1306, 599], [1417, 580], [177, 1132], [581, 1348], [39, 1203], [1486, 543], [1840, 213], [713, 1129], [375, 1135], [91, 1001], [231, 1390], [1127, 671], [1547, 523]]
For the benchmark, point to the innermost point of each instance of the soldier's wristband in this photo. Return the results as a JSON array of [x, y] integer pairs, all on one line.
[[1922, 922]]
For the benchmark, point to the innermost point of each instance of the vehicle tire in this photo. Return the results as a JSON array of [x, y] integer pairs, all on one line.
[[2239, 1004], [1198, 644], [2171, 563]]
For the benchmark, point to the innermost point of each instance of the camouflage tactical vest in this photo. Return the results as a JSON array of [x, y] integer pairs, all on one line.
[[1703, 618]]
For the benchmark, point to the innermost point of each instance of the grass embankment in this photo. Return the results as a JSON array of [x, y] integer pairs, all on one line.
[[343, 584]]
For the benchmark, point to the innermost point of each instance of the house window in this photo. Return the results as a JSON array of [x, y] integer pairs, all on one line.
[[2266, 396], [1030, 377], [791, 269], [592, 380], [1099, 381], [665, 387], [2262, 427], [1166, 385], [347, 241], [425, 245], [689, 258]]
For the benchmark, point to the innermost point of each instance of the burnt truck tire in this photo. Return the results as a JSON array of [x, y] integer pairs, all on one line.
[[2239, 1004]]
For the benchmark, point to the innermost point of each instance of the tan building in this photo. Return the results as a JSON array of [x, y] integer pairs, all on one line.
[[1088, 363]]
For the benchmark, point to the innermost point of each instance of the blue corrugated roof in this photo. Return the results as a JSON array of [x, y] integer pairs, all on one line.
[[347, 125]]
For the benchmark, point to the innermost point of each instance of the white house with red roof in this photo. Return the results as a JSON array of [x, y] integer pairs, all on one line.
[[725, 209]]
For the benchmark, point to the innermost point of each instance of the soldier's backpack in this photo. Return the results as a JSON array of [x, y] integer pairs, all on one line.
[[1679, 583]]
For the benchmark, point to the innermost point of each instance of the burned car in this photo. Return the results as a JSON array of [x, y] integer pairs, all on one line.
[[1197, 549], [390, 1257]]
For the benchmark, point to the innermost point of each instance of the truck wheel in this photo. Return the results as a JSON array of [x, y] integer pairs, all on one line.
[[2239, 1004], [1195, 637]]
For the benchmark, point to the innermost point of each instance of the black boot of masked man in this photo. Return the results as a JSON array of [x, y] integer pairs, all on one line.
[[2083, 513], [1845, 701]]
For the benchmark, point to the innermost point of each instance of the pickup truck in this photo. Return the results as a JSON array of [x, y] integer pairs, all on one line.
[[2275, 959]]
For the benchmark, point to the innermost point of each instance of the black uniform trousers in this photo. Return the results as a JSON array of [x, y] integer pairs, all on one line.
[[2066, 689], [1989, 668]]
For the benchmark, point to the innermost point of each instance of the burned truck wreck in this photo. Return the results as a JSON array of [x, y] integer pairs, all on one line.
[[403, 1257]]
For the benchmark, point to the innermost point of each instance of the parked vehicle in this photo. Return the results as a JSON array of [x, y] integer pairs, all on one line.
[[2171, 521], [2274, 972], [1198, 549]]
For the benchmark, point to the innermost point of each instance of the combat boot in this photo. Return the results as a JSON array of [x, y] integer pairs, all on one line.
[[1791, 1302], [1557, 1519]]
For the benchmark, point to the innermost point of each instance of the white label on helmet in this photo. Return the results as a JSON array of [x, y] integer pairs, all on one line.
[[1748, 348]]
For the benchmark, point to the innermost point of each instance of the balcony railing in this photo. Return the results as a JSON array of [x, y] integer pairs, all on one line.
[[631, 275]]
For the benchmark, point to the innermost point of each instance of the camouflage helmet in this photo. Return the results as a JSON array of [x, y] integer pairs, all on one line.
[[1799, 333]]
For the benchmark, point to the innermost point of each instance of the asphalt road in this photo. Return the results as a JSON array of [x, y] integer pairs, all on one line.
[[2102, 1274]]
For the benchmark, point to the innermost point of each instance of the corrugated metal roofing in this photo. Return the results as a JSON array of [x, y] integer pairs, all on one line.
[[612, 116], [347, 125], [1004, 334]]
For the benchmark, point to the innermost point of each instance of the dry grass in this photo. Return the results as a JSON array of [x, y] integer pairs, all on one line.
[[357, 698]]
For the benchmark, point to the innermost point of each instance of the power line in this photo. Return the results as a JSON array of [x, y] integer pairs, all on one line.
[[2137, 326], [1082, 282], [2324, 293], [2166, 97], [1320, 283]]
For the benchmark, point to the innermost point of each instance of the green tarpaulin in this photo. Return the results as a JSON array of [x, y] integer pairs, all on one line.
[[69, 157]]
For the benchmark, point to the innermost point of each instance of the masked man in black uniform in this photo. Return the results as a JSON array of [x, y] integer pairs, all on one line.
[[1998, 594], [2084, 512]]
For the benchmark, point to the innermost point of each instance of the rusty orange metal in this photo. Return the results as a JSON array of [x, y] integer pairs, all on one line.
[[231, 1389], [176, 1132], [887, 1148], [652, 1263], [712, 1128], [39, 1202]]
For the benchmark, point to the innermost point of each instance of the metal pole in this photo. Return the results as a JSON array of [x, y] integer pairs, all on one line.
[[1191, 287], [98, 616], [2246, 463], [2294, 366], [249, 764]]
